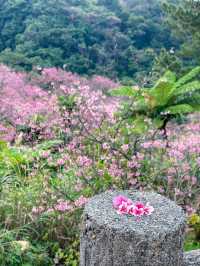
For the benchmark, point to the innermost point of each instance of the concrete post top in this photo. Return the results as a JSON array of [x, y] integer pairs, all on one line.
[[166, 218]]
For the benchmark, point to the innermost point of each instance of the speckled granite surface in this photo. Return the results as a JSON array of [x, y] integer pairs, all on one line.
[[108, 238], [192, 258]]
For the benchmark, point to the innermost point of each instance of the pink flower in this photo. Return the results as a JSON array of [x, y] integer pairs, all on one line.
[[126, 206], [123, 208], [81, 201], [63, 206], [117, 201], [139, 205], [125, 147], [38, 210], [45, 154], [148, 209], [105, 146], [60, 162], [84, 161], [194, 180], [190, 210], [136, 210]]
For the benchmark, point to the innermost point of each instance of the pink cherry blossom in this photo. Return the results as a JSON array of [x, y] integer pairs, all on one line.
[[119, 200]]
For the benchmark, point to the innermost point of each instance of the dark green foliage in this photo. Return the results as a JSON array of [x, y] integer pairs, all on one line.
[[184, 20], [167, 60], [113, 38]]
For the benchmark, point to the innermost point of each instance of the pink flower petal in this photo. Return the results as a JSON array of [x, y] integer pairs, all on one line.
[[117, 201], [123, 208], [136, 211], [139, 205], [148, 209]]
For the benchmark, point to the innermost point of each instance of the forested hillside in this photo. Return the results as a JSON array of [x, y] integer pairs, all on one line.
[[109, 37], [184, 20]]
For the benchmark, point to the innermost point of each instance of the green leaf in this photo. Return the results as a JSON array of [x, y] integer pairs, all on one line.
[[157, 122], [124, 91], [67, 101], [196, 107], [187, 88], [140, 126], [188, 77], [180, 109], [3, 145], [162, 90], [46, 145], [168, 78]]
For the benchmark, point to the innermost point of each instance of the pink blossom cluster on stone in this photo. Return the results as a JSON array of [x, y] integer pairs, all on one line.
[[124, 205]]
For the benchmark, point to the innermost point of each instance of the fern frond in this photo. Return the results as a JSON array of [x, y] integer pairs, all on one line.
[[188, 88], [188, 77], [162, 90], [179, 109]]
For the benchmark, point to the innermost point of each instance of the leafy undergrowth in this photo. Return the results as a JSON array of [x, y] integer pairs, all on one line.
[[63, 141], [191, 243]]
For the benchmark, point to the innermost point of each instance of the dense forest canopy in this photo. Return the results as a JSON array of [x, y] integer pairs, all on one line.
[[117, 38], [184, 20]]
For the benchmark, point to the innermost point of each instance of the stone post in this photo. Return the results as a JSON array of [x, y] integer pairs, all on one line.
[[192, 258], [111, 239]]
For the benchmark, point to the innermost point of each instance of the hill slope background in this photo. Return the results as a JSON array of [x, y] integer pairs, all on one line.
[[116, 38]]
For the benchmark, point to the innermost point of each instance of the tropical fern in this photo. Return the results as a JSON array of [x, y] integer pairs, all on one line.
[[167, 99]]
